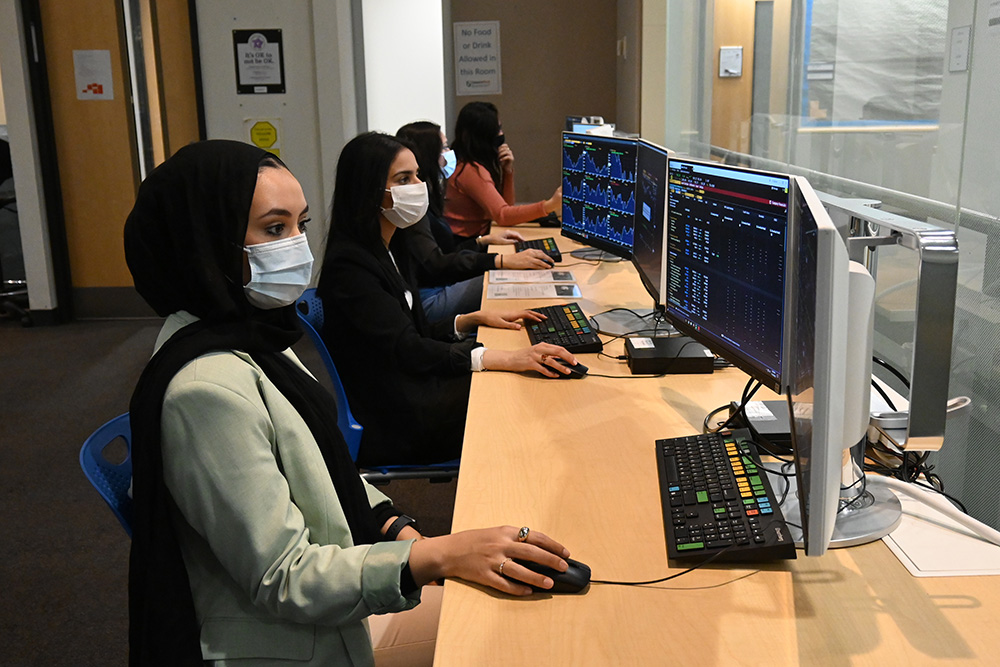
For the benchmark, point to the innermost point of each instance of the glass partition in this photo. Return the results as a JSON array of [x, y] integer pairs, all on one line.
[[891, 102]]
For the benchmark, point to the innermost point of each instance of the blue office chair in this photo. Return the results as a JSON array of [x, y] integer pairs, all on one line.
[[111, 479], [310, 310]]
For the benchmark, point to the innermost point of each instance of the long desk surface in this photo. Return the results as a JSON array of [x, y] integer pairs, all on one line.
[[575, 459]]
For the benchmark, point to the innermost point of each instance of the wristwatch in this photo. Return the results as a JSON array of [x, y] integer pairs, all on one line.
[[401, 521]]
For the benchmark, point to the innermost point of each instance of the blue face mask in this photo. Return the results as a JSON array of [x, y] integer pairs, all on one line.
[[450, 161]]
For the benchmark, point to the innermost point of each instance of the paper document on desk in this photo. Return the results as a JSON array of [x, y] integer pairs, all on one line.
[[532, 291], [930, 544], [539, 276]]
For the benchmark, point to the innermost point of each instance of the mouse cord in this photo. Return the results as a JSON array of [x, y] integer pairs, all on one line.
[[658, 581], [690, 569]]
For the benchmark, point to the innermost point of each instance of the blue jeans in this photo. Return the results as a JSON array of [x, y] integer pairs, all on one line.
[[456, 299]]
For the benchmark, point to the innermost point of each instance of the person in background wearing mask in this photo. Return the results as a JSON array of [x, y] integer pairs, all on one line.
[[450, 275], [407, 379], [482, 188], [255, 541]]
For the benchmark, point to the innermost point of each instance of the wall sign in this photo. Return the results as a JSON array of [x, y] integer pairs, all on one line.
[[92, 71], [730, 61], [260, 68], [477, 58], [958, 55], [264, 133]]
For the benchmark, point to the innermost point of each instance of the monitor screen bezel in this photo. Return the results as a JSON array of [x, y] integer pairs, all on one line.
[[579, 237], [730, 353], [655, 292], [817, 402]]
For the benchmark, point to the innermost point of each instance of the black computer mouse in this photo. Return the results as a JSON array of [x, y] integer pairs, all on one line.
[[549, 220], [573, 580], [576, 371]]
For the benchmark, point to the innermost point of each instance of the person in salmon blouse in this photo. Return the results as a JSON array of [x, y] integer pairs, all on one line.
[[481, 190]]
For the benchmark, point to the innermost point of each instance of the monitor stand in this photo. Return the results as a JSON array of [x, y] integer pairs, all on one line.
[[594, 255], [861, 519]]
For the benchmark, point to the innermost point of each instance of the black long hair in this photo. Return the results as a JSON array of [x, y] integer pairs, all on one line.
[[425, 138], [362, 171], [476, 131]]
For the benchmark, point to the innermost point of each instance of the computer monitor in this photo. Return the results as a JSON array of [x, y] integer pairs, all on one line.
[[819, 271], [598, 190], [650, 209], [727, 251], [581, 124]]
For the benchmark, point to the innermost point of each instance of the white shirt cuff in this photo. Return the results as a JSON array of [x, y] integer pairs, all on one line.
[[477, 358]]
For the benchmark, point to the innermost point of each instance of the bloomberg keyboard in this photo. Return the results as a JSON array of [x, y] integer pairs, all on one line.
[[548, 246], [565, 325], [716, 499]]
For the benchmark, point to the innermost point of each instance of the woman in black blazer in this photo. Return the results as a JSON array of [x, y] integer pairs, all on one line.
[[450, 274], [407, 379]]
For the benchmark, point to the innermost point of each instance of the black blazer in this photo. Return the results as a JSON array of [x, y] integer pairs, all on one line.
[[438, 259], [407, 379]]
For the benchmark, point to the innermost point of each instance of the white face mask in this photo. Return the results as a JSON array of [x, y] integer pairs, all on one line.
[[450, 162], [409, 204], [279, 271]]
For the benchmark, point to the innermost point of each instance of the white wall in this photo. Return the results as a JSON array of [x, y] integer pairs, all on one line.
[[404, 62], [27, 169], [316, 114]]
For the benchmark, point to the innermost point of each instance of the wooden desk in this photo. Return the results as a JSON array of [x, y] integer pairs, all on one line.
[[575, 459]]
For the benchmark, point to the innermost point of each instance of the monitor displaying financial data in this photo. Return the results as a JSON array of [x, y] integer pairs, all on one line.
[[598, 191], [727, 252], [650, 209]]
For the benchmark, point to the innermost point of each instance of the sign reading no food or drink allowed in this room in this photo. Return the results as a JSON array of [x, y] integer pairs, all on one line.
[[259, 65], [477, 58]]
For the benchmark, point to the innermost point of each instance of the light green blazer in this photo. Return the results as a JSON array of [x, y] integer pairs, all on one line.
[[273, 571]]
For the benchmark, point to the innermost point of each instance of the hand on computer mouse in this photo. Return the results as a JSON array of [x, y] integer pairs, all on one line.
[[566, 369], [532, 258], [532, 358], [486, 556], [573, 580]]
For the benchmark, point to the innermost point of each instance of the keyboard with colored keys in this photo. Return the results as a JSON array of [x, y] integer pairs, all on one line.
[[564, 325], [548, 246], [716, 498]]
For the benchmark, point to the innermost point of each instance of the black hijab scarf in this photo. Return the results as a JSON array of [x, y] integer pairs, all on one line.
[[183, 245]]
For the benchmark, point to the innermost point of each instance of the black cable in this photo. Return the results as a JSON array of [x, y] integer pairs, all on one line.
[[912, 466], [958, 503], [657, 375], [627, 310], [704, 424], [741, 409], [885, 396], [668, 578], [889, 367], [859, 495], [582, 262]]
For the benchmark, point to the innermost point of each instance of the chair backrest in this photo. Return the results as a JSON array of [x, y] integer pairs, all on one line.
[[310, 309], [111, 479]]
